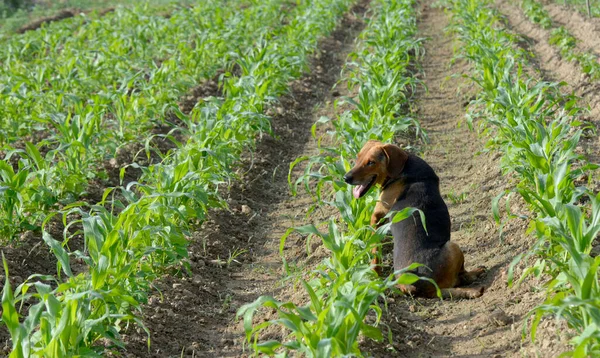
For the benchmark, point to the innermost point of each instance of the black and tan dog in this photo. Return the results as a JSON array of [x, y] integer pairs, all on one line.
[[408, 181]]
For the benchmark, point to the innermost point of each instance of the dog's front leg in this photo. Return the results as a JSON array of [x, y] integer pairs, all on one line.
[[378, 214]]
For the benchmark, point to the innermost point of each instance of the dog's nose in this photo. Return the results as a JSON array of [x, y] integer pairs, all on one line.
[[348, 178]]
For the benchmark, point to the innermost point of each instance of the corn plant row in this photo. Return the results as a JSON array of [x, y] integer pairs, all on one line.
[[537, 129], [562, 39], [343, 290], [117, 66], [16, 21], [51, 70], [125, 252], [105, 96]]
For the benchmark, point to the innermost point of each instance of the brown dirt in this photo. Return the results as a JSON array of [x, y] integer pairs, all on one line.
[[195, 314], [63, 14], [26, 256], [208, 88], [103, 12]]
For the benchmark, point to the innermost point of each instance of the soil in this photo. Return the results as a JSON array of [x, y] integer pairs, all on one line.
[[63, 14], [234, 256], [576, 6]]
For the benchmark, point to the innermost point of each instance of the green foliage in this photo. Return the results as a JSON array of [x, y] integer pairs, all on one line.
[[131, 240], [567, 45], [561, 38], [581, 6], [330, 324], [121, 76], [536, 13]]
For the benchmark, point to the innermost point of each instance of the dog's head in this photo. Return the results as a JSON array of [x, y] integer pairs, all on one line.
[[377, 163]]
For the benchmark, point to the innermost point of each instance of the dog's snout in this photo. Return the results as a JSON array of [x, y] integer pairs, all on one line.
[[348, 178]]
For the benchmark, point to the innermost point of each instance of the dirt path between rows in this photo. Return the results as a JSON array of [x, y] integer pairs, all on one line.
[[195, 316], [491, 325]]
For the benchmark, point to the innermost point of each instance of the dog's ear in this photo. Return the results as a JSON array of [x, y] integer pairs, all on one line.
[[396, 160]]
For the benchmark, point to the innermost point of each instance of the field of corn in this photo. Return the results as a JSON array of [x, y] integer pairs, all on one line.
[[171, 177]]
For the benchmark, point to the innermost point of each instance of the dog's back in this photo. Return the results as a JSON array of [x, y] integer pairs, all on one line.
[[411, 242]]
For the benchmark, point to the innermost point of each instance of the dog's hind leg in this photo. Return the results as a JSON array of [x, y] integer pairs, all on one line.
[[462, 292], [467, 277], [453, 274], [454, 266], [427, 290], [375, 264]]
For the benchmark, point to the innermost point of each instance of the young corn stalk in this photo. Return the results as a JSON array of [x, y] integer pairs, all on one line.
[[566, 43]]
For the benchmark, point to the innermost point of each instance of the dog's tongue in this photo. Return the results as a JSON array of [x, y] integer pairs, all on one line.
[[357, 191]]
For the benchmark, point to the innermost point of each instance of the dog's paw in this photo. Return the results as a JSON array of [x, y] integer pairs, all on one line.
[[408, 289], [468, 277], [476, 292]]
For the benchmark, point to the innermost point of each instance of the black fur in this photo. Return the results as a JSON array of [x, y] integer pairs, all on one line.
[[411, 242]]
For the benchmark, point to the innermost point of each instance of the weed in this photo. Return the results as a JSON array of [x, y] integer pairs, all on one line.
[[234, 255], [457, 198]]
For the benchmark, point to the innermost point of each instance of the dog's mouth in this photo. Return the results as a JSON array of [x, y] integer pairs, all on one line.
[[360, 190]]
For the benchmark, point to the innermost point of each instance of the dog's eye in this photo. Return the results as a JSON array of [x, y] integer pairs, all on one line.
[[370, 162]]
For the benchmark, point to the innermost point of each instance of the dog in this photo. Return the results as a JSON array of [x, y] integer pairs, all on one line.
[[408, 181]]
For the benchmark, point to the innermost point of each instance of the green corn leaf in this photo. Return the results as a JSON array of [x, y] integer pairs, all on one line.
[[407, 278], [268, 347], [306, 313], [371, 332], [496, 206], [60, 253], [314, 300], [10, 317], [325, 348], [511, 269], [248, 310], [591, 279]]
